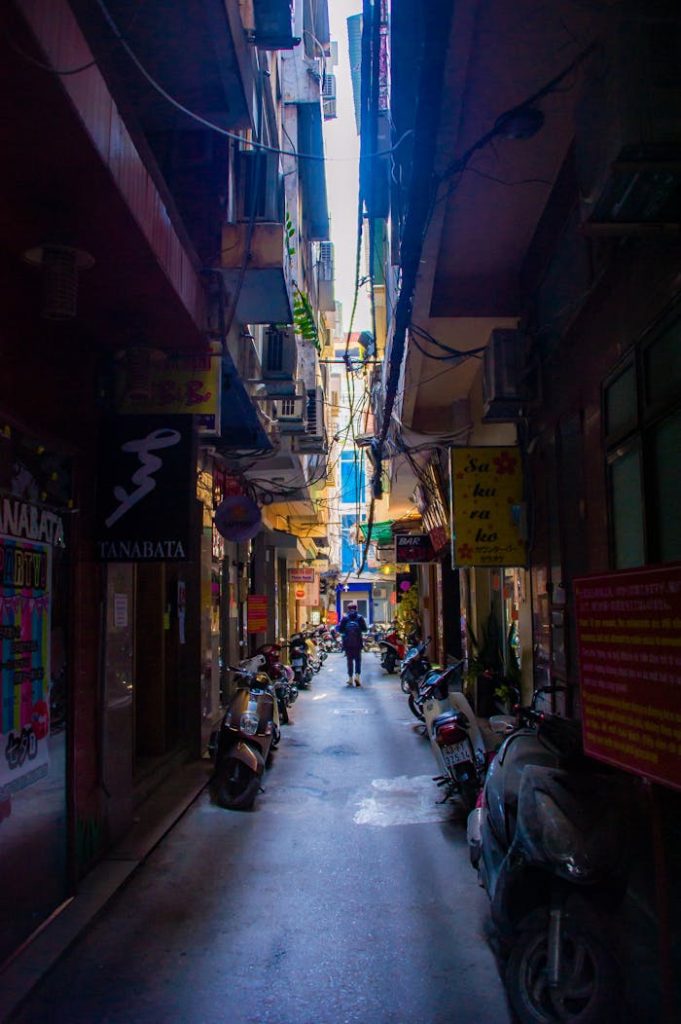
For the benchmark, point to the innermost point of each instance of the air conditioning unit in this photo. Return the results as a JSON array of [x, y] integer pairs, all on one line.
[[261, 187], [329, 97], [291, 411], [504, 382], [280, 354], [314, 438], [628, 124], [326, 261]]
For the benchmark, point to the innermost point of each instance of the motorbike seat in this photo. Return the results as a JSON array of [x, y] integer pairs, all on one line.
[[448, 716]]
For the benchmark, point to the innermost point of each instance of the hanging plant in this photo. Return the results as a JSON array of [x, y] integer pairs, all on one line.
[[290, 232], [304, 319]]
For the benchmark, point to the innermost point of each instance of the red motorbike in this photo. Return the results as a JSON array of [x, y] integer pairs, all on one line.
[[392, 651]]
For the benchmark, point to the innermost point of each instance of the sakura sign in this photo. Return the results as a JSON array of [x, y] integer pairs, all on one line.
[[487, 486]]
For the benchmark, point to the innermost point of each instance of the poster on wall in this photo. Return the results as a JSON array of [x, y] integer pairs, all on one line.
[[25, 575], [487, 486], [629, 649]]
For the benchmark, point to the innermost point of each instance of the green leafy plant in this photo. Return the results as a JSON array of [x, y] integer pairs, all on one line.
[[290, 232], [304, 319], [407, 614]]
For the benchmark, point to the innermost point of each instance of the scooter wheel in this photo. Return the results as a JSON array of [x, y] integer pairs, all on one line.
[[589, 984], [235, 786], [415, 709], [389, 665], [404, 686]]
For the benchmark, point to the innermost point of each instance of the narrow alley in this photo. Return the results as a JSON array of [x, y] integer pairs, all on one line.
[[345, 896]]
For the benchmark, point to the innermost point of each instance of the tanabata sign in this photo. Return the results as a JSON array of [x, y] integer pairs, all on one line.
[[144, 489], [488, 504], [257, 613], [629, 647], [413, 547]]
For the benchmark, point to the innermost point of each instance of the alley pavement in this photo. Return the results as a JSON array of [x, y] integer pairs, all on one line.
[[345, 897]]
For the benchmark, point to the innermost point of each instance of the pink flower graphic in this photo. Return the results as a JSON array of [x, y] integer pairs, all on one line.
[[465, 552], [505, 463]]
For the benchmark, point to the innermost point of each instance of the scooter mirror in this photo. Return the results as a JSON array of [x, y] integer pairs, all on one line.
[[501, 725]]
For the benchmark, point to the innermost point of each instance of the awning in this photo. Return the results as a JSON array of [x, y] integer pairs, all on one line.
[[313, 172], [381, 533], [240, 425]]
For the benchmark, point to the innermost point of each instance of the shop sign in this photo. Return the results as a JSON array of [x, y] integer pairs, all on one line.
[[257, 613], [629, 649], [301, 575], [173, 385], [145, 489], [25, 606], [413, 547], [488, 506], [21, 519], [238, 518], [331, 617]]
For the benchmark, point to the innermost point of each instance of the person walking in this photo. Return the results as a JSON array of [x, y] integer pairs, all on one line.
[[351, 627]]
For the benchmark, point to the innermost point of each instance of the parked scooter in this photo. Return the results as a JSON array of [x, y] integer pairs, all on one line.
[[392, 651], [281, 678], [456, 740], [548, 840], [300, 661], [243, 745], [415, 668]]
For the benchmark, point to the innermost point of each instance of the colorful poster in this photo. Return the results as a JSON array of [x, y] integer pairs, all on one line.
[[629, 647], [25, 596], [257, 613], [488, 506]]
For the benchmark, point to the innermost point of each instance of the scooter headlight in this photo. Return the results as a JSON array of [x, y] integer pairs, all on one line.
[[249, 723], [561, 841]]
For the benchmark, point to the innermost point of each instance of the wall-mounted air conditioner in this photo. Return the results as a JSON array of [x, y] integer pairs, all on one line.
[[628, 125], [280, 354], [504, 382], [326, 268], [260, 187], [329, 96], [314, 438]]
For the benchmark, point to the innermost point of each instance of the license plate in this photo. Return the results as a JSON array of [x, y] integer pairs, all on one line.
[[297, 662], [457, 754]]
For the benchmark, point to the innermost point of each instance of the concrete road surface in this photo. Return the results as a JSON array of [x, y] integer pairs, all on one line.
[[345, 897]]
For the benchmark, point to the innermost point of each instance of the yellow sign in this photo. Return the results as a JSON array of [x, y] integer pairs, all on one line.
[[164, 382], [488, 506]]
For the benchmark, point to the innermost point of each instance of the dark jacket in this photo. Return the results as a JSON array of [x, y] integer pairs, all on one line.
[[352, 638]]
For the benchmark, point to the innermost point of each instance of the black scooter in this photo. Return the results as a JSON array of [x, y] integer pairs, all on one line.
[[243, 745], [548, 842]]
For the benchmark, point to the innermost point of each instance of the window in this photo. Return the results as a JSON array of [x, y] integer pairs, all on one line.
[[642, 417], [352, 478]]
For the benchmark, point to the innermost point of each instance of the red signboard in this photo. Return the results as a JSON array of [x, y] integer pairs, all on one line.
[[411, 548], [331, 617], [257, 613], [629, 642]]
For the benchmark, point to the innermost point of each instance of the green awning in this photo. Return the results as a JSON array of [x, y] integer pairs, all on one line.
[[381, 533]]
